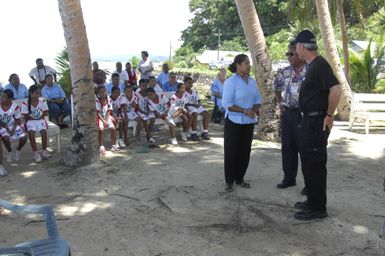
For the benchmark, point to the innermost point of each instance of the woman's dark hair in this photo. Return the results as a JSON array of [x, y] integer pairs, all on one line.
[[115, 88], [12, 76], [9, 93], [145, 53], [188, 78], [48, 75], [31, 90], [148, 90], [237, 60]]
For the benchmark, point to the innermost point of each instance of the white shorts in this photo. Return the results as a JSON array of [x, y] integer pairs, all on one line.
[[19, 133], [110, 123], [198, 110], [132, 116], [169, 121], [36, 125], [146, 117]]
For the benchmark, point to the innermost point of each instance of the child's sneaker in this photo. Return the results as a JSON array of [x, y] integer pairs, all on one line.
[[151, 140], [205, 136], [9, 157], [37, 156], [194, 136], [174, 141], [45, 154], [121, 143], [3, 172], [17, 155], [115, 148], [102, 150], [183, 136]]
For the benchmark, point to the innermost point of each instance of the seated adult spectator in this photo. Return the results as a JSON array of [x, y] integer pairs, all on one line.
[[58, 105], [115, 81], [99, 75], [145, 66], [19, 90], [123, 76], [153, 84], [39, 72], [163, 77], [132, 77], [172, 84], [217, 88]]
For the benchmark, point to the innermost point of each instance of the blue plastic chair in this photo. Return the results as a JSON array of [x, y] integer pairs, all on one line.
[[53, 246]]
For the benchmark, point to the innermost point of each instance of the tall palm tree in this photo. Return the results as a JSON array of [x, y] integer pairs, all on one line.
[[83, 149], [344, 36], [268, 123], [332, 56]]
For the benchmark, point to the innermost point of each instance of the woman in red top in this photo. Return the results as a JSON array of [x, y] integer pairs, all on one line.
[[132, 78]]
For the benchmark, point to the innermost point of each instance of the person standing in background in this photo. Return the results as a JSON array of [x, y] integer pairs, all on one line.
[[145, 66], [38, 73], [242, 101], [132, 77]]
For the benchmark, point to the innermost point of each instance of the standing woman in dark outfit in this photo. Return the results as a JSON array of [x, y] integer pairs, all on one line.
[[242, 101]]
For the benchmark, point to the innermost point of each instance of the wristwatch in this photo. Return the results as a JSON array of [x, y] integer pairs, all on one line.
[[329, 115]]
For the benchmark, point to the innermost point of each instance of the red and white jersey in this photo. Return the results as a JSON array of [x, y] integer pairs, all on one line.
[[35, 112], [142, 102], [177, 102], [193, 97], [129, 103], [10, 114], [161, 107], [116, 105], [103, 108]]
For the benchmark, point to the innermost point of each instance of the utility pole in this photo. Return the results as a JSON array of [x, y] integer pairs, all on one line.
[[169, 58], [219, 43]]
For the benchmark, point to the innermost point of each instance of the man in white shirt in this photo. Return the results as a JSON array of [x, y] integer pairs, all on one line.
[[39, 72], [145, 66], [123, 76]]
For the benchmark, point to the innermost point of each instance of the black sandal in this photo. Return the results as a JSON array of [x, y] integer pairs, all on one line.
[[229, 188], [244, 184]]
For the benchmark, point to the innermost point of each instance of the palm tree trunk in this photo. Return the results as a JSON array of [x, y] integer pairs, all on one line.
[[332, 56], [268, 123], [83, 149], [345, 47]]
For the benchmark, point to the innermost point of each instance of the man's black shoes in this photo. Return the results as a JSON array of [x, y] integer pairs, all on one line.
[[301, 205], [309, 214], [284, 185]]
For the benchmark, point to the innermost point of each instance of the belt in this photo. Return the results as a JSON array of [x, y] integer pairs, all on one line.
[[315, 113], [291, 109]]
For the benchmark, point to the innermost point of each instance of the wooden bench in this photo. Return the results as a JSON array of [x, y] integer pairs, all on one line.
[[158, 121], [368, 107], [53, 129]]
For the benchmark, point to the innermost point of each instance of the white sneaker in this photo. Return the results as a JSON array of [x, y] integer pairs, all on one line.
[[17, 155], [121, 143], [174, 141], [3, 172], [183, 136], [151, 140], [45, 154], [37, 156], [9, 157], [115, 148]]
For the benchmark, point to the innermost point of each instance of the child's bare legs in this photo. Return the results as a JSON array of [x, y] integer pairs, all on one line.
[[113, 135], [194, 122], [121, 130], [44, 139], [172, 129], [32, 140], [22, 142], [7, 143], [125, 131], [185, 123], [147, 128], [139, 126], [206, 118], [101, 137], [151, 125]]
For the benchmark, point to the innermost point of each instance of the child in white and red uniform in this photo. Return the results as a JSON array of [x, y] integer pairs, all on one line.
[[35, 110], [160, 106], [144, 112], [195, 108], [105, 119], [116, 98], [178, 103], [10, 125], [129, 105]]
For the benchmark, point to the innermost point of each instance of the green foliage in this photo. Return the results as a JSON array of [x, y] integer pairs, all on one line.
[[235, 44], [364, 71], [213, 17], [184, 57], [380, 86], [135, 62], [63, 66]]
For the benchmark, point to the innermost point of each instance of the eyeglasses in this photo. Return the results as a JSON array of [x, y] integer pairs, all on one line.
[[290, 54]]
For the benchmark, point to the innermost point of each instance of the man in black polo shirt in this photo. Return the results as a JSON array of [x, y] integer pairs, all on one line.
[[319, 96]]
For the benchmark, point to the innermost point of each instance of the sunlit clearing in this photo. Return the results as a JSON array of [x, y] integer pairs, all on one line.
[[81, 209], [368, 148], [360, 229], [178, 149], [28, 174], [296, 254]]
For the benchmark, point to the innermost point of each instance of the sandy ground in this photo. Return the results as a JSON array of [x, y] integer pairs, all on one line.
[[170, 201]]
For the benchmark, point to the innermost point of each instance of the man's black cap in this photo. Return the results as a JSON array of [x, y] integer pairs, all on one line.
[[306, 37]]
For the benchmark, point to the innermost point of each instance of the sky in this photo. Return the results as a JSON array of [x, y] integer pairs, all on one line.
[[32, 28]]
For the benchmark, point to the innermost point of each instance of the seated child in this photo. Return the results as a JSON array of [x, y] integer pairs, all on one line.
[[160, 105], [116, 98], [195, 108], [152, 83], [105, 119], [178, 110], [10, 123], [143, 110], [3, 171], [129, 105], [35, 110]]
